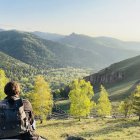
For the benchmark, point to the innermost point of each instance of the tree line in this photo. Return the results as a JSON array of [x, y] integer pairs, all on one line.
[[81, 98]]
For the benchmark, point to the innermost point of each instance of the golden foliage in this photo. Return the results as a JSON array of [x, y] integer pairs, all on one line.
[[80, 97], [3, 81], [104, 105], [41, 97]]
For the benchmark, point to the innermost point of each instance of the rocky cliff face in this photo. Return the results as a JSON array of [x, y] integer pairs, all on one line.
[[105, 77]]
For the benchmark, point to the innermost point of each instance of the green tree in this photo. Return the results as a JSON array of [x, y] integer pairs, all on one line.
[[3, 81], [80, 96], [126, 107], [104, 105], [41, 97], [136, 101]]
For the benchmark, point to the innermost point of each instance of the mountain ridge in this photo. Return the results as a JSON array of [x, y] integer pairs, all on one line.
[[119, 78], [48, 36], [42, 53], [74, 50]]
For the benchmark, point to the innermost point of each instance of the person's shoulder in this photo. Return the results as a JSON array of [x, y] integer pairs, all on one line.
[[3, 102], [27, 104], [25, 101]]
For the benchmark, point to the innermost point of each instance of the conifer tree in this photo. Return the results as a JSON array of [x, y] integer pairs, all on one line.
[[3, 81], [80, 96], [104, 104], [41, 97], [136, 101]]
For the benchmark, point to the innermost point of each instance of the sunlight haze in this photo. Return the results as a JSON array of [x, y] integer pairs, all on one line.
[[114, 18]]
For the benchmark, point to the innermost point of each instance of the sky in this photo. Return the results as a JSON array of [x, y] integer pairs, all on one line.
[[114, 18]]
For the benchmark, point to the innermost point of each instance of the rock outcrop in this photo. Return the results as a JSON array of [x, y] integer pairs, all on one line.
[[105, 77]]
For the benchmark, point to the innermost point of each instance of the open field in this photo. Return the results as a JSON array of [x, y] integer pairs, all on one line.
[[91, 129]]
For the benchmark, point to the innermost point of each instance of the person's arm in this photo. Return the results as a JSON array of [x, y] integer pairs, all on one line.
[[28, 110]]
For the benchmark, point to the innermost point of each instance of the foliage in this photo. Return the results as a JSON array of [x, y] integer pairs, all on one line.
[[24, 73], [61, 77], [126, 107], [136, 101], [3, 81], [80, 97], [104, 104], [42, 53], [41, 97]]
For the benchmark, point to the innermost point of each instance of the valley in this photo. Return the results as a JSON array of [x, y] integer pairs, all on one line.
[[62, 59]]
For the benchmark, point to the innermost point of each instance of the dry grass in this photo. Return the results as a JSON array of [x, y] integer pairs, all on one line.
[[91, 129]]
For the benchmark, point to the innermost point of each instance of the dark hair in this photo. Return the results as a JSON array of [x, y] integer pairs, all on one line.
[[12, 88]]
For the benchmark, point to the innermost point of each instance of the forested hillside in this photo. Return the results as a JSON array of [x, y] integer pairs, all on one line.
[[43, 54], [25, 74], [15, 69], [119, 78], [74, 50], [24, 55]]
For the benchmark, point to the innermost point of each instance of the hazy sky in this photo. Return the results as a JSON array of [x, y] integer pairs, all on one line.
[[114, 18]]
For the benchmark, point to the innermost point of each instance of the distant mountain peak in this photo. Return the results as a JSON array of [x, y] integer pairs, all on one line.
[[73, 33], [75, 50]]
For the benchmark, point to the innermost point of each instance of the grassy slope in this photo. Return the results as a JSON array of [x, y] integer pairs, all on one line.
[[121, 89], [91, 129], [131, 69]]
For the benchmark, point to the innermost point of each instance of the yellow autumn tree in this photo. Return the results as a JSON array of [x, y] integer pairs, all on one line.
[[3, 81], [80, 96], [41, 97], [104, 104]]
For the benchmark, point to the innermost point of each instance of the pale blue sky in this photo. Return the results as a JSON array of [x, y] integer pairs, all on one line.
[[114, 18]]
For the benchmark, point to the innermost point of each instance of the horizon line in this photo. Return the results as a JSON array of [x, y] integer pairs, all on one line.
[[88, 35]]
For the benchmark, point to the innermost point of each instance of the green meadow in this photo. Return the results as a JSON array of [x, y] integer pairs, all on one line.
[[91, 129]]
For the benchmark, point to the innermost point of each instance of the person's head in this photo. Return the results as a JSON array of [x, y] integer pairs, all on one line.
[[12, 88]]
